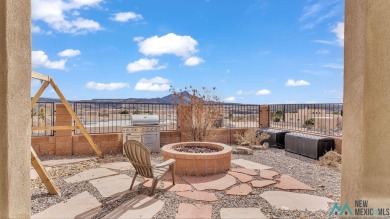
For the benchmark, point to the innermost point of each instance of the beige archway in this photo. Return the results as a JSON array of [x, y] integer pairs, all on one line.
[[366, 150]]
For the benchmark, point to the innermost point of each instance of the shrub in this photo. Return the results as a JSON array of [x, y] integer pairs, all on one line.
[[199, 109], [124, 112], [331, 158], [309, 122], [252, 136], [42, 114], [276, 119]]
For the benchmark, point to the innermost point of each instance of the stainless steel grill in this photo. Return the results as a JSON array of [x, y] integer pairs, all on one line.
[[139, 120], [145, 129]]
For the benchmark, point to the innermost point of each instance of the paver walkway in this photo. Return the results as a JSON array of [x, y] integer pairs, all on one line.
[[90, 174], [141, 206], [246, 171], [71, 208], [243, 189], [289, 183], [179, 188], [241, 176], [111, 185], [250, 165], [296, 201], [121, 166], [217, 182], [186, 211], [268, 174], [198, 195], [242, 213], [262, 183]]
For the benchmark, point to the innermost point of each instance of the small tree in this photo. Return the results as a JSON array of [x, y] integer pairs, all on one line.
[[199, 109]]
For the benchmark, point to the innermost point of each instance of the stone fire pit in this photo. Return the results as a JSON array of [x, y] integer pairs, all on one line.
[[195, 161]]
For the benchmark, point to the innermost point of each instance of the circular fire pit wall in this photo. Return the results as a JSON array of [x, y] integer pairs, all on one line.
[[199, 164]]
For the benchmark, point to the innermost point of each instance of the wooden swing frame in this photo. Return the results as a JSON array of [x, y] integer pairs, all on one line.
[[43, 174]]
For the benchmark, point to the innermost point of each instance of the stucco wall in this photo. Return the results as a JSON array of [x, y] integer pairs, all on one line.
[[366, 151], [15, 131]]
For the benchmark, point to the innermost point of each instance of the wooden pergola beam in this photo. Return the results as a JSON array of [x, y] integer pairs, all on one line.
[[55, 128], [42, 173], [40, 76], [45, 177], [39, 93]]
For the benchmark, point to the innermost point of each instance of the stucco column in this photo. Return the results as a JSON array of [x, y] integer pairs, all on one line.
[[64, 144], [264, 116], [15, 130], [366, 136]]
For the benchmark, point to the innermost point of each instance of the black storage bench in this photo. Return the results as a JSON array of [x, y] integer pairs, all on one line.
[[276, 137], [308, 145]]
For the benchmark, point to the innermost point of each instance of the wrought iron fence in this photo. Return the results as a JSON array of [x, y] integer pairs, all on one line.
[[241, 116], [42, 114], [324, 119], [110, 117]]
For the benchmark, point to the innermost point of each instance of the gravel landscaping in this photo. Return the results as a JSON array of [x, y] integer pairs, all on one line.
[[325, 180]]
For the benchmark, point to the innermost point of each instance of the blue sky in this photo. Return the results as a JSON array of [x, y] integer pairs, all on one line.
[[252, 51]]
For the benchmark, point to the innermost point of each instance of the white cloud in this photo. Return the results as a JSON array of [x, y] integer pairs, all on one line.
[[230, 99], [144, 65], [182, 46], [69, 53], [334, 65], [40, 59], [320, 11], [263, 92], [243, 92], [81, 24], [35, 29], [339, 31], [138, 38], [153, 84], [108, 86], [63, 16], [328, 42], [192, 61], [310, 11], [322, 52], [126, 16], [170, 44], [295, 83]]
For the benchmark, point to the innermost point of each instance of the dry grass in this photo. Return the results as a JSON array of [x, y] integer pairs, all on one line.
[[331, 158], [252, 136]]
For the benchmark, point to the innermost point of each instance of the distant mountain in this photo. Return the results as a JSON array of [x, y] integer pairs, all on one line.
[[49, 100], [164, 100]]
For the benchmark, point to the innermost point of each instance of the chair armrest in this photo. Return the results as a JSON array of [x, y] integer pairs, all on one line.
[[166, 163]]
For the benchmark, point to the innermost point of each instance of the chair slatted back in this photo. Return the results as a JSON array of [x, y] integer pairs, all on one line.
[[139, 156]]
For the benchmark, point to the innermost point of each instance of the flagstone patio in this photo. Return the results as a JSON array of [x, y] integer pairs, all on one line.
[[260, 191]]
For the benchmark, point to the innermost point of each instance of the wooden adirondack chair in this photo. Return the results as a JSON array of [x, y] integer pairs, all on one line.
[[139, 156]]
